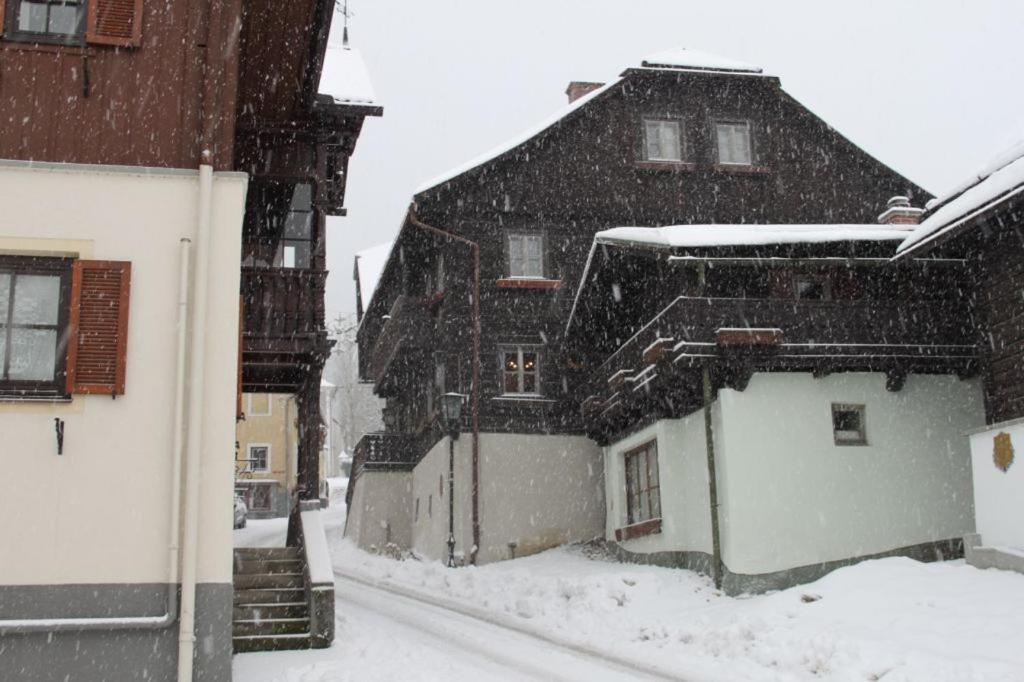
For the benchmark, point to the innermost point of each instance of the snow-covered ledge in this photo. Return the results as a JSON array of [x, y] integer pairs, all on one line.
[[319, 576]]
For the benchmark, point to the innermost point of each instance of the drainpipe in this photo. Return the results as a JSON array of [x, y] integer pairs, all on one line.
[[709, 436], [193, 451], [475, 392], [34, 625]]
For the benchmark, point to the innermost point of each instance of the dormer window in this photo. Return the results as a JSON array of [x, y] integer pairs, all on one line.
[[526, 255], [734, 143], [663, 141]]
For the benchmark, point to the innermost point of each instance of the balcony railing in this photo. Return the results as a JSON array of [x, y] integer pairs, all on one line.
[[282, 303], [409, 327], [382, 451]]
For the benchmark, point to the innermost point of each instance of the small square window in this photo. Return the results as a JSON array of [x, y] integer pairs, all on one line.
[[259, 458], [734, 143], [526, 255], [848, 426], [259, 405], [663, 141], [810, 288]]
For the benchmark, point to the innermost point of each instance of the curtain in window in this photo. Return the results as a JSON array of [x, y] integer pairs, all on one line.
[[663, 141], [734, 143]]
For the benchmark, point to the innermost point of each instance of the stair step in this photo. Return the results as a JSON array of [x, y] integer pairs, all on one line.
[[268, 581], [246, 644], [247, 553], [244, 597], [270, 627], [257, 566], [271, 610]]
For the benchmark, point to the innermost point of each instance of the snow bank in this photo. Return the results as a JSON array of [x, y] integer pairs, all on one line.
[[684, 58], [371, 266], [892, 619], [345, 78], [1001, 177], [748, 235]]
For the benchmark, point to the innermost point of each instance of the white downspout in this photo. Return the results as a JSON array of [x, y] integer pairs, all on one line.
[[190, 549]]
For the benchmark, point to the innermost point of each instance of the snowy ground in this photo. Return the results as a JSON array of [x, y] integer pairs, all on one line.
[[895, 620]]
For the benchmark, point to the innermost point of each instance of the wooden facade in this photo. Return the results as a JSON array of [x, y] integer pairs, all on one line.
[[583, 174], [229, 84]]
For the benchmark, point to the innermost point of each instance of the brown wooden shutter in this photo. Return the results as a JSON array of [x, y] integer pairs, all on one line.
[[114, 22], [3, 5], [98, 338]]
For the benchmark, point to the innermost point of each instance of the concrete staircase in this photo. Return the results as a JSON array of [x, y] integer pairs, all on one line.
[[271, 611]]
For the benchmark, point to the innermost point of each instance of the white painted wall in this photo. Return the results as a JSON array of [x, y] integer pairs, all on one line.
[[99, 513], [682, 468], [380, 511], [999, 495], [430, 531], [791, 497]]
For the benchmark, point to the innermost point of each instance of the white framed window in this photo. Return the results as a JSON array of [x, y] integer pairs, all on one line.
[[848, 424], [259, 456], [526, 255], [258, 404], [734, 143], [663, 140], [520, 369]]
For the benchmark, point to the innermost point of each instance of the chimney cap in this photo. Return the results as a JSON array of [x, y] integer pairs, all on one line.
[[898, 211]]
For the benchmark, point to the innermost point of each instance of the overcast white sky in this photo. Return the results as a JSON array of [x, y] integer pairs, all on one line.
[[933, 88]]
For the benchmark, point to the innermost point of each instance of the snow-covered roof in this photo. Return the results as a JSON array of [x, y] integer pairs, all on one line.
[[370, 265], [685, 58], [344, 77], [999, 179], [675, 236], [669, 60]]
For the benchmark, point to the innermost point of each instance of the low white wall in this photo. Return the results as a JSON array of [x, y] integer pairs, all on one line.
[[683, 477], [380, 512], [538, 491], [791, 497], [999, 495], [99, 513], [430, 529]]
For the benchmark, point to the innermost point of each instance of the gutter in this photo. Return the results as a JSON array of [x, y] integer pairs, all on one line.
[[475, 392], [170, 615]]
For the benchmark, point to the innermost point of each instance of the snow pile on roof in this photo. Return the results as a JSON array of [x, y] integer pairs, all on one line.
[[511, 144], [747, 235], [684, 58], [1004, 175], [344, 77], [370, 266]]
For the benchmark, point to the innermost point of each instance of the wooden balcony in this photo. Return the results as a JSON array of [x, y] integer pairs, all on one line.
[[736, 337], [382, 451], [283, 328], [406, 335]]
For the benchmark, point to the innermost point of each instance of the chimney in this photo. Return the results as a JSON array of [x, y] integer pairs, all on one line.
[[898, 211], [577, 89]]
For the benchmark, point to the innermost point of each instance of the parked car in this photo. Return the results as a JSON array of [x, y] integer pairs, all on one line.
[[241, 511]]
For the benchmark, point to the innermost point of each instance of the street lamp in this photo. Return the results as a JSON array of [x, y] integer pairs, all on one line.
[[451, 414]]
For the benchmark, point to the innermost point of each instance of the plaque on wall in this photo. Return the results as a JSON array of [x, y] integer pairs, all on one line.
[[1002, 451]]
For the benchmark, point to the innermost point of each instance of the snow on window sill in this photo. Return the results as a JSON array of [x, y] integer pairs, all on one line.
[[529, 283], [673, 166]]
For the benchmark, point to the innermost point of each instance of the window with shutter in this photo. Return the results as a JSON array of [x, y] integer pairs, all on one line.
[[44, 21], [114, 22], [98, 335]]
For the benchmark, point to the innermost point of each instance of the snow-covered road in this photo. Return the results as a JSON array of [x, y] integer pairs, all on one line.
[[482, 650]]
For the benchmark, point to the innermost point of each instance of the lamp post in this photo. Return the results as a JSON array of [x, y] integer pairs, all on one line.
[[451, 413]]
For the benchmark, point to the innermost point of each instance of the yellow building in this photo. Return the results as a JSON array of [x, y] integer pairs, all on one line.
[[266, 453]]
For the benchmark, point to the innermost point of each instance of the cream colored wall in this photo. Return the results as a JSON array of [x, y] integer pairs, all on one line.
[[380, 511], [430, 532], [99, 513], [998, 494], [791, 497], [278, 430]]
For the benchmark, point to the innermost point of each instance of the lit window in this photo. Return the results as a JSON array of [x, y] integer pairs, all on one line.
[[662, 141], [526, 255], [643, 488], [521, 370], [848, 424], [734, 143], [259, 457]]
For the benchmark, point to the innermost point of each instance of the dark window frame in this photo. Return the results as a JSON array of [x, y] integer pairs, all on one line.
[[521, 372], [862, 428], [524, 234], [636, 494], [36, 265], [13, 33]]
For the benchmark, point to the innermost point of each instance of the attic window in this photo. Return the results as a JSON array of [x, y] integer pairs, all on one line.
[[848, 424], [526, 255], [662, 141], [733, 143]]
